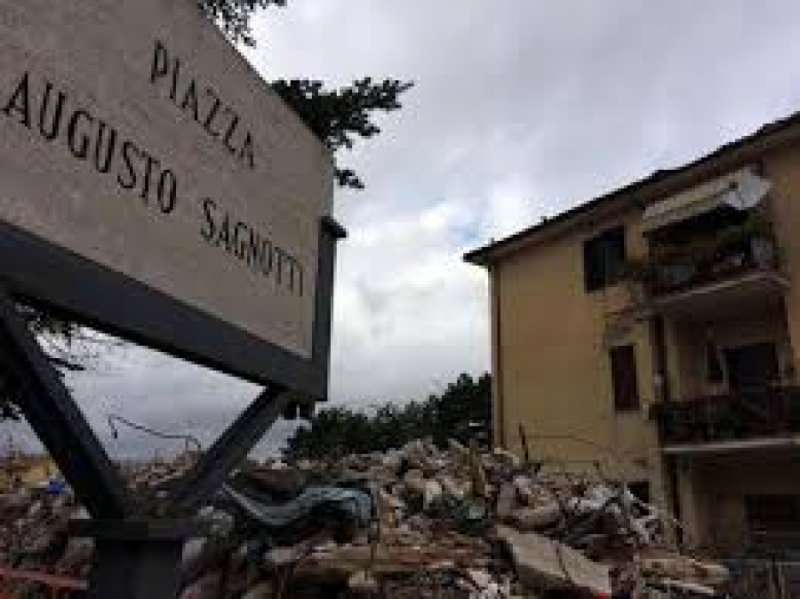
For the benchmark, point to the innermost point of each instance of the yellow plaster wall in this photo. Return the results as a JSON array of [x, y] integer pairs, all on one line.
[[553, 340], [783, 169]]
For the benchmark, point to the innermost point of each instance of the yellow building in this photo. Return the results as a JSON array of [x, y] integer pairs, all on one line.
[[654, 332], [26, 471]]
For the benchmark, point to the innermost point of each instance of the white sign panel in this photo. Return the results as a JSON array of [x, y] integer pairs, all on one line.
[[135, 136]]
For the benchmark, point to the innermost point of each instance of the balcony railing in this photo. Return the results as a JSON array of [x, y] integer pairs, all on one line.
[[688, 258], [741, 416], [687, 270]]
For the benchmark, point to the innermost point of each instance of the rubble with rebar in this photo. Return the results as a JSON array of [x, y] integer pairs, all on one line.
[[414, 522]]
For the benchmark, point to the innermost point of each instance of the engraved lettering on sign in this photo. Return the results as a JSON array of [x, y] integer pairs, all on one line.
[[152, 159], [202, 104], [252, 247], [48, 111]]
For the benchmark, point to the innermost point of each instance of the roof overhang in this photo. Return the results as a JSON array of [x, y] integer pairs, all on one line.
[[730, 157]]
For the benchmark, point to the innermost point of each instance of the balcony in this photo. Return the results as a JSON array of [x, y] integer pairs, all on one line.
[[700, 272], [683, 271], [753, 419]]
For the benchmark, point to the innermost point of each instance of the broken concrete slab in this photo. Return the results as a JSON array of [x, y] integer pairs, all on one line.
[[506, 501], [685, 568], [542, 563], [535, 518], [339, 564]]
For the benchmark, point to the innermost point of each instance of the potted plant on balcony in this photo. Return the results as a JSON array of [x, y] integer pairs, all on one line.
[[705, 258], [753, 240]]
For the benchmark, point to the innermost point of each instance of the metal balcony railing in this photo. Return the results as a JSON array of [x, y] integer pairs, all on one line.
[[740, 416]]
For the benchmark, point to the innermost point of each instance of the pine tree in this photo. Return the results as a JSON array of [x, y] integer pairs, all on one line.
[[336, 116]]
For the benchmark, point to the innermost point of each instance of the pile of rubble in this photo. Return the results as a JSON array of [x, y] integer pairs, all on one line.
[[415, 522]]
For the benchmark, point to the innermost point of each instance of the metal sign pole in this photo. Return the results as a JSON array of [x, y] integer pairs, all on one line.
[[231, 448], [50, 410], [136, 556]]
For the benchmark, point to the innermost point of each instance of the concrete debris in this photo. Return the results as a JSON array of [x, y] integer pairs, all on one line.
[[363, 583], [431, 493], [546, 564], [453, 488], [263, 590], [686, 569], [535, 518], [206, 587], [506, 500], [413, 522], [669, 585]]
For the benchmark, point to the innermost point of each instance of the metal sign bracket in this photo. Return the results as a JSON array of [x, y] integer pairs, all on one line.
[[136, 556]]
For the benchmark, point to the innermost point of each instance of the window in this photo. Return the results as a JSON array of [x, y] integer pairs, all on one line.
[[752, 367], [603, 258], [772, 513], [623, 378]]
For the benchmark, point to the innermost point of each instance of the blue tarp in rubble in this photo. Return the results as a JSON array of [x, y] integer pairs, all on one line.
[[352, 504]]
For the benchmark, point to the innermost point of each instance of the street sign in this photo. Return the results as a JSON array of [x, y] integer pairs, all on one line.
[[153, 184]]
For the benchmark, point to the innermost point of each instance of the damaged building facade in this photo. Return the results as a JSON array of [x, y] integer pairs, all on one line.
[[654, 332]]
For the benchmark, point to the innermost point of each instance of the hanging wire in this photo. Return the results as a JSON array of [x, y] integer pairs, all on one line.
[[188, 439]]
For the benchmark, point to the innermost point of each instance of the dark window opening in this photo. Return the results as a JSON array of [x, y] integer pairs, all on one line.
[[752, 367], [772, 513], [604, 258], [623, 378]]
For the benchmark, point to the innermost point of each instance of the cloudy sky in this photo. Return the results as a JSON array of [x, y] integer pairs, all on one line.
[[520, 110]]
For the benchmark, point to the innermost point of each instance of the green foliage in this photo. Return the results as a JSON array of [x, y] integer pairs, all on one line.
[[233, 16], [56, 335], [705, 252], [48, 324], [336, 116], [462, 412]]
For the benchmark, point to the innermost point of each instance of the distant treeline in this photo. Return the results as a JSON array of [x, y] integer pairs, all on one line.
[[462, 412]]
